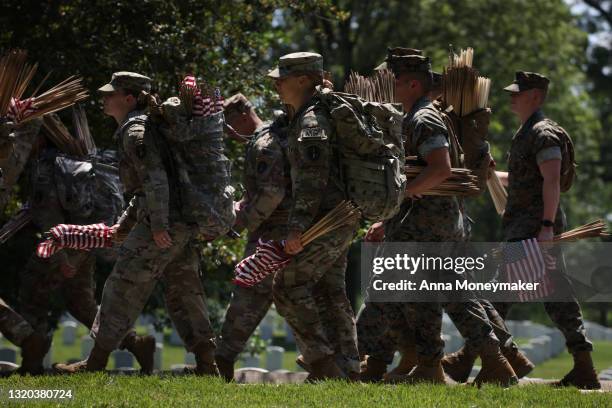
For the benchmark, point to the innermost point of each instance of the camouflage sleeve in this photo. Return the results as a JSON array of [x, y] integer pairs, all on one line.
[[143, 151], [269, 168], [547, 145], [427, 139], [311, 171]]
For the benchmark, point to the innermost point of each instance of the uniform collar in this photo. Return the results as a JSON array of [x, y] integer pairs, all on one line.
[[134, 113], [420, 103]]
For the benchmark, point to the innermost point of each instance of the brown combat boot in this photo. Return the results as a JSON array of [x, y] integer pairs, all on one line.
[[226, 368], [205, 360], [33, 352], [406, 364], [372, 369], [323, 369], [495, 368], [143, 348], [583, 375], [97, 360], [427, 370], [458, 365], [519, 361]]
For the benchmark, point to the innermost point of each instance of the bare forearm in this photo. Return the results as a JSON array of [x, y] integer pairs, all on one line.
[[503, 177], [550, 196]]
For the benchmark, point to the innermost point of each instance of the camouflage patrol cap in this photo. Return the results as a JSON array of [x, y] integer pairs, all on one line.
[[297, 63], [525, 81], [395, 53], [237, 103], [127, 80]]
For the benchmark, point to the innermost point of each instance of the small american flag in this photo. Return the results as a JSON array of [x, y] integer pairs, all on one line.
[[524, 261], [269, 258], [19, 110], [70, 236]]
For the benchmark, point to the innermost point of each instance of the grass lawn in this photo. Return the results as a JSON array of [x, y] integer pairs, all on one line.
[[557, 367], [115, 391]]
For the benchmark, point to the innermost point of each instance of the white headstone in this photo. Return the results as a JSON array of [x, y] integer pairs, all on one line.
[[190, 358], [251, 361], [274, 358], [87, 343], [266, 328], [69, 331], [48, 359], [8, 354], [123, 359], [159, 336], [157, 357], [175, 339]]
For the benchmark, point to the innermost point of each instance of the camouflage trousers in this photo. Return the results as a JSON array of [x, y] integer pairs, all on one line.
[[247, 308], [12, 325], [316, 277], [567, 316], [43, 278], [140, 265], [383, 328]]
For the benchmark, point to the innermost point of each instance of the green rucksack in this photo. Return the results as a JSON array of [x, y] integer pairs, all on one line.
[[370, 150], [200, 168]]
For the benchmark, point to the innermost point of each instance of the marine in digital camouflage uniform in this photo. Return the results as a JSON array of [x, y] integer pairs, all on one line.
[[535, 143], [263, 212], [142, 262], [315, 191], [431, 219]]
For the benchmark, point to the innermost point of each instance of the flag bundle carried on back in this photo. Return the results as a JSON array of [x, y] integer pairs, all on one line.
[[84, 237], [524, 261], [270, 256], [200, 99]]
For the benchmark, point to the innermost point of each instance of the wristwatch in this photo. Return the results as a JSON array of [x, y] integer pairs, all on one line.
[[548, 223]]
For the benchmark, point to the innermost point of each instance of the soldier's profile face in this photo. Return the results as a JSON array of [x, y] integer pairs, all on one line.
[[521, 101], [289, 89], [116, 102], [403, 87]]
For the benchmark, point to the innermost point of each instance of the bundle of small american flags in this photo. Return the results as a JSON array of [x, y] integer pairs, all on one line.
[[203, 100], [269, 258], [83, 237], [524, 261], [20, 109]]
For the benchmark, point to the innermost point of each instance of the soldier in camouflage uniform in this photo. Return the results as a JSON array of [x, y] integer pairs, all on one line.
[[431, 219], [16, 142], [321, 265], [33, 346], [158, 245], [533, 210], [263, 212], [69, 272]]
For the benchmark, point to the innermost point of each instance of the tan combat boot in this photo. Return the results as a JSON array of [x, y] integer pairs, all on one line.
[[458, 365], [323, 369], [406, 364], [428, 369], [495, 368], [583, 375], [143, 348], [372, 369], [205, 360], [226, 368], [33, 352], [519, 361], [97, 360]]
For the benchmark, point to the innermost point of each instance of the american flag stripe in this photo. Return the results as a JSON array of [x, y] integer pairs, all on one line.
[[84, 237], [524, 261], [269, 258]]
